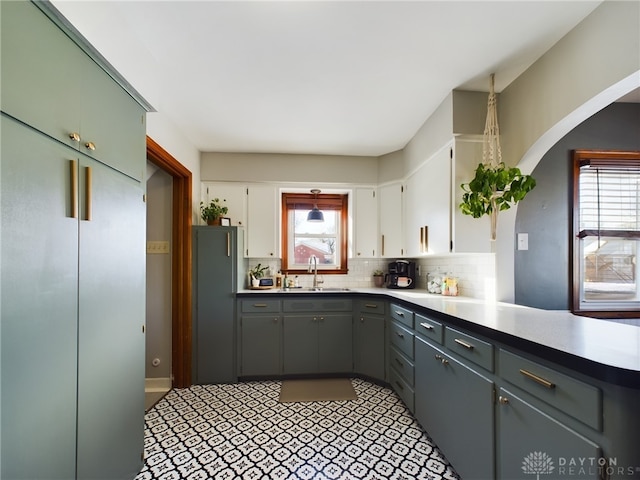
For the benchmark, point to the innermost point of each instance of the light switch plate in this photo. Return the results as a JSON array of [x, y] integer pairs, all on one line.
[[158, 247], [523, 241]]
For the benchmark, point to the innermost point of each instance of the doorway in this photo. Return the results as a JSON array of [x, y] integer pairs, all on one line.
[[180, 262]]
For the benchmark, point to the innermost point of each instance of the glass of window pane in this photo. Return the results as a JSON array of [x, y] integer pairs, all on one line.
[[316, 238], [610, 269]]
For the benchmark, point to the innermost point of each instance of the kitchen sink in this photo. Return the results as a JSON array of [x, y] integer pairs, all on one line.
[[317, 289]]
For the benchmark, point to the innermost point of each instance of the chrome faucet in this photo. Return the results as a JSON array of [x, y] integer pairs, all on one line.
[[313, 267]]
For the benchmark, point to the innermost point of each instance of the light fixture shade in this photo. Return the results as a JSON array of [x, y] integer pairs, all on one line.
[[315, 215]]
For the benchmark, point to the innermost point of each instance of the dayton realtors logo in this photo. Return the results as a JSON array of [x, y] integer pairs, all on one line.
[[537, 463], [540, 463]]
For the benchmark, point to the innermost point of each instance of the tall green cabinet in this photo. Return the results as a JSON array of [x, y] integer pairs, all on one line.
[[219, 270], [72, 243]]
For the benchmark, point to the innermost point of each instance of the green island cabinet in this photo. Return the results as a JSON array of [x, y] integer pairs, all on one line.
[[401, 363], [317, 335], [73, 257]]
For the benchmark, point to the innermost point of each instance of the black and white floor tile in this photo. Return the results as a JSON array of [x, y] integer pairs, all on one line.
[[241, 431]]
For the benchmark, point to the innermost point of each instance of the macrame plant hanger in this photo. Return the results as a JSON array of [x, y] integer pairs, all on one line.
[[491, 151]]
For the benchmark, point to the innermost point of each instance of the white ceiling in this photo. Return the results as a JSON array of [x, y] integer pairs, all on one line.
[[316, 77]]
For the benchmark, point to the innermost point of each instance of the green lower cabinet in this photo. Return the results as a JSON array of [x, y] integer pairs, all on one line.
[[530, 442], [317, 343], [368, 355], [260, 340], [454, 404]]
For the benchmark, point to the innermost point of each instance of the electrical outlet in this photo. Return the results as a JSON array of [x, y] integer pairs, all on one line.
[[161, 247], [523, 241]]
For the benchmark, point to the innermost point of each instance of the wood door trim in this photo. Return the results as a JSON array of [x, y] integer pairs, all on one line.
[[181, 287]]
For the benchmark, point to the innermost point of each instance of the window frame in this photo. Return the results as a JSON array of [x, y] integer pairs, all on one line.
[[324, 201], [611, 158]]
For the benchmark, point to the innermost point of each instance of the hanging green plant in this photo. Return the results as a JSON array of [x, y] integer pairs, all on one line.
[[493, 189], [495, 186]]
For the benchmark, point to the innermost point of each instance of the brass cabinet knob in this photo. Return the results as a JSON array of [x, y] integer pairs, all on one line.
[[90, 146], [74, 136], [503, 400]]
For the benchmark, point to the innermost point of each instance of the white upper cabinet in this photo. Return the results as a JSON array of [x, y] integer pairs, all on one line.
[[232, 195], [262, 222], [365, 221], [427, 200], [390, 215]]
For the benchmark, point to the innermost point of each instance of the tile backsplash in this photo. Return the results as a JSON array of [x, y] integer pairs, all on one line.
[[476, 273]]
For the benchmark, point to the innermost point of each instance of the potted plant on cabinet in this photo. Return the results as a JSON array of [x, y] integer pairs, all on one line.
[[378, 278], [495, 187], [213, 212], [256, 273]]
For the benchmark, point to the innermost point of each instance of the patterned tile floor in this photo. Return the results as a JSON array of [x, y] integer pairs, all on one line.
[[241, 431]]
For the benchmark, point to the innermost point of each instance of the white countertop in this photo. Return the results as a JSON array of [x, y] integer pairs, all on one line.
[[603, 342]]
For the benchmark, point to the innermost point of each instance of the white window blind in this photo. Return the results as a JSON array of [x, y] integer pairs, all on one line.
[[609, 201]]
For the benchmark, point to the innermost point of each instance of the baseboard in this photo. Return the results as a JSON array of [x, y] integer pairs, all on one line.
[[157, 384]]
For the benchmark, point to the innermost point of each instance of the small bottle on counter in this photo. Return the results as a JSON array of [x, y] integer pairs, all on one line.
[[449, 285]]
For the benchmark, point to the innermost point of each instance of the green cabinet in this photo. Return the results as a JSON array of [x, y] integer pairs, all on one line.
[[48, 82], [73, 275], [531, 441], [320, 341], [369, 339], [454, 403], [260, 338], [218, 267]]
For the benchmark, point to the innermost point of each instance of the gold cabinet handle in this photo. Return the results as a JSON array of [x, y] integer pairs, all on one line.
[[400, 314], [383, 245], [90, 146], [259, 305], [371, 305], [228, 244], [401, 335], [88, 175], [74, 137], [542, 381], [466, 345], [73, 170], [427, 326], [503, 400]]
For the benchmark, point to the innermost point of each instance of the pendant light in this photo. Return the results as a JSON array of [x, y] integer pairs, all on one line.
[[315, 215]]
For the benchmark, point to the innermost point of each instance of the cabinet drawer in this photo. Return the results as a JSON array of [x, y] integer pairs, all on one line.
[[402, 339], [429, 328], [469, 347], [402, 315], [402, 388], [402, 365], [373, 306], [573, 397], [317, 305], [260, 306]]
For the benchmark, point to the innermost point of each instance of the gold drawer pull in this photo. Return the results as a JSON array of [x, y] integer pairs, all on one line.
[[371, 305], [400, 314], [400, 334], [259, 304], [427, 326], [463, 343], [542, 381]]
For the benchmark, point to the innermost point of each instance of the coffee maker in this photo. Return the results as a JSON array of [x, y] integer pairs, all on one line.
[[402, 274]]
